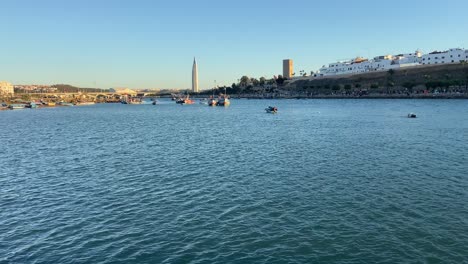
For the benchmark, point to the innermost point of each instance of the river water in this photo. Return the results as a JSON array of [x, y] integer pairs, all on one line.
[[322, 181]]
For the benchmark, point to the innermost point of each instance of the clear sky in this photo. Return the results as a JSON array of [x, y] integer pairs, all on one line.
[[151, 43]]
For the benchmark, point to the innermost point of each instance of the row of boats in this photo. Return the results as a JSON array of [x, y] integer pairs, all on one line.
[[38, 104], [222, 100]]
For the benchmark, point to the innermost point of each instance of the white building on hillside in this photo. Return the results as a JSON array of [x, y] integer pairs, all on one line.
[[6, 88], [448, 56], [387, 62]]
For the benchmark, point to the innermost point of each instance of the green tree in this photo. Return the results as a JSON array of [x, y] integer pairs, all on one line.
[[244, 80], [347, 87]]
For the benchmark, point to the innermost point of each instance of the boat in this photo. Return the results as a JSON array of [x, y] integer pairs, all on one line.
[[31, 105], [50, 103], [271, 109], [223, 100], [65, 104], [185, 100], [411, 115], [86, 103], [17, 106], [155, 102], [212, 102]]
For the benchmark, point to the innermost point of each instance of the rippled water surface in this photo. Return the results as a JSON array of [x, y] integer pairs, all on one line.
[[327, 181]]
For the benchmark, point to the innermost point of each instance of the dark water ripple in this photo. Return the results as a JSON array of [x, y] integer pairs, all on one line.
[[327, 181]]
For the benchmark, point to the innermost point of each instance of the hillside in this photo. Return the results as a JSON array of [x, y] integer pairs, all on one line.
[[451, 77]]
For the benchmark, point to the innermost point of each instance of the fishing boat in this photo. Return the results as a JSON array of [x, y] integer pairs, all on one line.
[[271, 109], [185, 100], [223, 100], [17, 106], [65, 104], [31, 105], [212, 102], [86, 103]]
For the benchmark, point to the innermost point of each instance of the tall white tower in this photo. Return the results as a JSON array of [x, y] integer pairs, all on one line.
[[194, 77]]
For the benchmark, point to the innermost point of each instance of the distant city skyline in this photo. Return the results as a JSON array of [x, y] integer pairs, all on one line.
[[145, 44]]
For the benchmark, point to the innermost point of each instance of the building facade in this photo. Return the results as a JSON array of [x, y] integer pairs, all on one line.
[[288, 68], [442, 57], [387, 62], [6, 88], [195, 77]]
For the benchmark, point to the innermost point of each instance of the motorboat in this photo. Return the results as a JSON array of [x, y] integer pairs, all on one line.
[[271, 109], [17, 106], [31, 105], [185, 100], [223, 101], [65, 104], [411, 115], [212, 102]]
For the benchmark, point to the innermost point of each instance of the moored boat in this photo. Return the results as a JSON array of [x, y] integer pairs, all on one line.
[[212, 102], [17, 106], [31, 105], [65, 104], [86, 103], [185, 100], [223, 101]]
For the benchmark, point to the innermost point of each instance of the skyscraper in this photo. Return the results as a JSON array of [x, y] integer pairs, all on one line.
[[194, 77]]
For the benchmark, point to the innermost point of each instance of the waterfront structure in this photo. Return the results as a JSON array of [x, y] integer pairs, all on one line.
[[6, 88], [288, 68], [123, 91], [387, 62], [195, 77], [448, 56]]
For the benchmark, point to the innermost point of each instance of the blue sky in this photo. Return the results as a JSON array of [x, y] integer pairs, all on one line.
[[151, 44]]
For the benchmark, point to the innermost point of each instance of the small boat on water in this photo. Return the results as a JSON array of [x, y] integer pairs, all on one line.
[[86, 103], [31, 105], [212, 102], [17, 106], [185, 100], [223, 99], [271, 109], [411, 115], [65, 104]]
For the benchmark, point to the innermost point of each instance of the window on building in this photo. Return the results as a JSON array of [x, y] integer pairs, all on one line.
[[424, 59], [453, 61], [436, 58], [443, 57], [459, 55], [428, 58]]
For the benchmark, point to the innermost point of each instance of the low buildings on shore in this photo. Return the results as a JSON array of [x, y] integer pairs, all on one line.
[[387, 62], [6, 88]]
